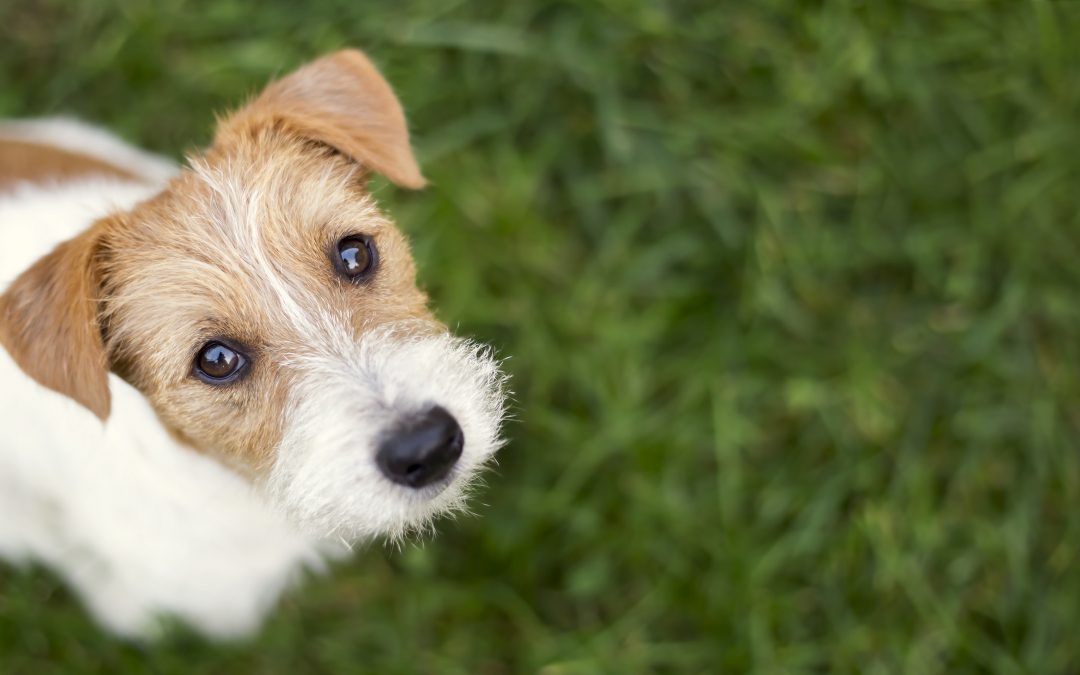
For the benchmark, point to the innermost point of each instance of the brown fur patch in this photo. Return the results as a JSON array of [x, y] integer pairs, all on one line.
[[40, 163], [49, 323]]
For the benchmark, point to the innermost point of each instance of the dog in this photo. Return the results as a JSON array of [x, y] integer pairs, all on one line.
[[218, 376]]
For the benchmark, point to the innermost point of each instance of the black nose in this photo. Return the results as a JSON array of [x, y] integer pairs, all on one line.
[[423, 451]]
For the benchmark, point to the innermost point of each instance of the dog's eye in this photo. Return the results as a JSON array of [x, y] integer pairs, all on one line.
[[218, 363], [356, 257]]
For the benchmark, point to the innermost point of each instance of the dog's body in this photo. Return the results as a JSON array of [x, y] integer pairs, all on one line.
[[139, 524], [346, 413]]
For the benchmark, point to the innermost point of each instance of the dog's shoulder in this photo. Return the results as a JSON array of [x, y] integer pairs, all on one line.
[[57, 150], [56, 177]]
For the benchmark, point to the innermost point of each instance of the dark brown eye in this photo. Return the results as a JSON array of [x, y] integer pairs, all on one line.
[[356, 257], [218, 363]]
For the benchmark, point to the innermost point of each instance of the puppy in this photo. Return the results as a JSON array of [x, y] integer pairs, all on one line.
[[216, 376]]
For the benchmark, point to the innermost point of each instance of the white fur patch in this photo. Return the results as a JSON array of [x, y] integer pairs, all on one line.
[[35, 218], [345, 403], [140, 526]]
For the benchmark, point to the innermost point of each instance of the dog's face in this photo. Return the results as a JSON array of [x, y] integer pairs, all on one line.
[[269, 312]]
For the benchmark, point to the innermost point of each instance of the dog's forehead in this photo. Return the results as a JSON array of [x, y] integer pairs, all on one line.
[[240, 245], [275, 192]]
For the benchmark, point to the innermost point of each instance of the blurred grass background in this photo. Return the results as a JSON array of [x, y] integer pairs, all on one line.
[[790, 291]]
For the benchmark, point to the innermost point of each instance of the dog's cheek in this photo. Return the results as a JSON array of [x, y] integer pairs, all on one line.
[[324, 475], [237, 423]]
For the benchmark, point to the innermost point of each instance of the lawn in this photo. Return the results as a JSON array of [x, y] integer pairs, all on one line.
[[790, 293]]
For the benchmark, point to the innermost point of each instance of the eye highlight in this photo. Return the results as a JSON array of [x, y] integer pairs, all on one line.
[[218, 363], [356, 257]]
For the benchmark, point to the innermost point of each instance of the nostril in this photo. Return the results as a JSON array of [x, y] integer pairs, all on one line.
[[422, 450]]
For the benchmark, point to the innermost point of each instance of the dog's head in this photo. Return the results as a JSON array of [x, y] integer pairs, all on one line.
[[269, 312]]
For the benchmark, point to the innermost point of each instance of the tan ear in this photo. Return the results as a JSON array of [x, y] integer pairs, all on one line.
[[49, 323], [340, 100]]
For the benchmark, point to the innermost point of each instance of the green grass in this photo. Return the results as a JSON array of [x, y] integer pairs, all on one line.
[[791, 296]]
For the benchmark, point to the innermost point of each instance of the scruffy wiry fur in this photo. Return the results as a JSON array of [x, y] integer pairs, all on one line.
[[354, 397], [238, 247]]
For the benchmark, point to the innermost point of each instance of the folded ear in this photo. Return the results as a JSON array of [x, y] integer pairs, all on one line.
[[340, 100], [49, 323]]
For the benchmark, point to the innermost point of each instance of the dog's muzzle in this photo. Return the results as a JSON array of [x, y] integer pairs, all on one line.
[[423, 450]]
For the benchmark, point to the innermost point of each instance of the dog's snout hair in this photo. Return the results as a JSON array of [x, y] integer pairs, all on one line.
[[344, 405]]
